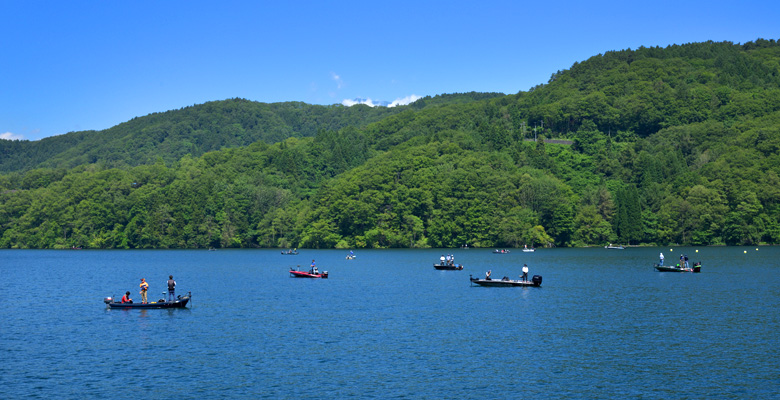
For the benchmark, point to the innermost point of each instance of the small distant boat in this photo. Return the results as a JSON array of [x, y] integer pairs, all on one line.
[[536, 281], [528, 250], [212, 249], [676, 268], [614, 247], [448, 267], [351, 256], [290, 252], [464, 247], [501, 251], [180, 302], [312, 273], [447, 263]]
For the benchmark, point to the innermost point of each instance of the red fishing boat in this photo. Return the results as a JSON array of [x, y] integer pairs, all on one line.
[[312, 273]]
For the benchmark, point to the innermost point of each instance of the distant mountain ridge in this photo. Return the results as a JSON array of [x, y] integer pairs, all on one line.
[[196, 130]]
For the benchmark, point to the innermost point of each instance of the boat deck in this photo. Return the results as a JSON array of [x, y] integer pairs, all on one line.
[[505, 282]]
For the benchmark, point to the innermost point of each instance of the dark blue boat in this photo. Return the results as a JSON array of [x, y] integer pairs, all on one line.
[[536, 281], [180, 302]]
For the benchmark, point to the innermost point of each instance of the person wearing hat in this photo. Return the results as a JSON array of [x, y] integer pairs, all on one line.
[[171, 288], [144, 288], [525, 273]]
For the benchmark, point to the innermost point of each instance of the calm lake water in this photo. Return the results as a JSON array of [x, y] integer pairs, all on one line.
[[387, 325]]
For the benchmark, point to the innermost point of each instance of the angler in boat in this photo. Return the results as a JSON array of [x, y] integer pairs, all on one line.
[[448, 263], [536, 281], [312, 273], [682, 266], [127, 302]]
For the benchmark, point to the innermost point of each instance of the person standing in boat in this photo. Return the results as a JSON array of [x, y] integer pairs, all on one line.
[[126, 298], [171, 288], [662, 259], [144, 288], [525, 273], [487, 275], [313, 269]]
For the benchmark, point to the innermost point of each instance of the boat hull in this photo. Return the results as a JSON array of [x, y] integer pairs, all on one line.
[[447, 267], [178, 303], [304, 274], [664, 268], [535, 282]]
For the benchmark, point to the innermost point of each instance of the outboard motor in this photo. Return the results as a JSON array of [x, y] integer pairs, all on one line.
[[324, 274], [537, 280], [108, 300]]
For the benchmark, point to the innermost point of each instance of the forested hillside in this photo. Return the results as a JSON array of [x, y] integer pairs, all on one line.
[[197, 130], [671, 145]]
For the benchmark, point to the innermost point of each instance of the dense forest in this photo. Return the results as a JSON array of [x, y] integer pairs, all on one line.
[[675, 145], [197, 130]]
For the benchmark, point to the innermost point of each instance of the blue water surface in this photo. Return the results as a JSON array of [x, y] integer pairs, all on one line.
[[388, 325]]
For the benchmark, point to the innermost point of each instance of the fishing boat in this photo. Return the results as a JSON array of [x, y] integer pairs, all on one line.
[[351, 256], [312, 273], [447, 263], [677, 268], [502, 251], [614, 247], [448, 267], [290, 252], [179, 302], [536, 281]]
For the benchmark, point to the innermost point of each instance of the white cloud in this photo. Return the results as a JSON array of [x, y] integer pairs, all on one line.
[[404, 101], [375, 103], [11, 136], [350, 103], [337, 78]]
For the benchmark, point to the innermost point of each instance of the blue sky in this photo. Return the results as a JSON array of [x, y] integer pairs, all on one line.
[[80, 65]]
